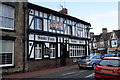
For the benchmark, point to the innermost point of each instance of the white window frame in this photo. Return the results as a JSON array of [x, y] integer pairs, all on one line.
[[6, 65], [39, 48], [53, 51], [76, 51], [102, 44], [11, 18], [38, 26]]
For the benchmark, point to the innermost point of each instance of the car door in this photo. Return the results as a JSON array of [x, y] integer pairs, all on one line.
[[96, 59]]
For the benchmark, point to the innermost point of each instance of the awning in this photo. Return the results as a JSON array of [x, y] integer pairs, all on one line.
[[112, 49]]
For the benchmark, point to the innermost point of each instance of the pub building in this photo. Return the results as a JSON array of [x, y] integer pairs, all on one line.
[[40, 38], [55, 38]]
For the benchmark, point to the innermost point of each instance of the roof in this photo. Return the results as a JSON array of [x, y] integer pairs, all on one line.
[[97, 37], [56, 13], [117, 32], [105, 36]]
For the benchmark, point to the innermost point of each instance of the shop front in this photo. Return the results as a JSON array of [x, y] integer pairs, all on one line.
[[102, 51], [112, 50]]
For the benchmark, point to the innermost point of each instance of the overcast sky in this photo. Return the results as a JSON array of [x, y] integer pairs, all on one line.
[[100, 13]]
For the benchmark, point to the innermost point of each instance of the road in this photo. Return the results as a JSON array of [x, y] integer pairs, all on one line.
[[72, 73]]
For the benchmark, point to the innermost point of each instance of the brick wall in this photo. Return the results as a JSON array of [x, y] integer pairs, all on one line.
[[34, 65], [43, 64], [18, 43]]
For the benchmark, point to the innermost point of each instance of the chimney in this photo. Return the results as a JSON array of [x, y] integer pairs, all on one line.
[[64, 11], [91, 34], [104, 30]]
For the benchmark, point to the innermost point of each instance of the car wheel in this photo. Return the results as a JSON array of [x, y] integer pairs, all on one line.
[[79, 66], [94, 65]]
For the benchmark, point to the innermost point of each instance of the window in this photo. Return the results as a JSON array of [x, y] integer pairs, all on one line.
[[38, 51], [52, 51], [114, 43], [6, 17], [113, 63], [38, 23], [101, 44], [6, 53], [76, 51], [49, 50], [69, 30]]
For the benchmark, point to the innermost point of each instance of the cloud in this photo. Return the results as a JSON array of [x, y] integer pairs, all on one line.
[[107, 20], [104, 16]]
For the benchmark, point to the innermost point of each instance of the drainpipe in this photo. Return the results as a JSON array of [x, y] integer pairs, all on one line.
[[25, 38]]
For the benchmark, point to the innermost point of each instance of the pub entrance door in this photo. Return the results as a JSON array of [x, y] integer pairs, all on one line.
[[63, 50]]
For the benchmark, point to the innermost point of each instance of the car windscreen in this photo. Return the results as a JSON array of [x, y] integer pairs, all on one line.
[[112, 63]]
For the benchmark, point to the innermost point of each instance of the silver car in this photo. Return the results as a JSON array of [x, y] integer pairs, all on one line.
[[89, 61]]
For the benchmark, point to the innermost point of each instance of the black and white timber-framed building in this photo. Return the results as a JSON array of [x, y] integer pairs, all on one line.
[[53, 35], [51, 39]]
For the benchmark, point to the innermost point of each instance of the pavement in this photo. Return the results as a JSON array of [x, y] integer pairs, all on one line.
[[39, 72]]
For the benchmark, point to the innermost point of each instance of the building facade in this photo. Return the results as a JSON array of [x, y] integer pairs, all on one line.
[[107, 42], [12, 37], [48, 39], [114, 41]]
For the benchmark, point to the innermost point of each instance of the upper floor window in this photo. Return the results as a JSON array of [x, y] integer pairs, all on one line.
[[6, 17], [102, 44], [79, 32], [38, 23], [69, 29]]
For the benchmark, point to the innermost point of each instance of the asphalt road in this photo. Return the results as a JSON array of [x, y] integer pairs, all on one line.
[[71, 73]]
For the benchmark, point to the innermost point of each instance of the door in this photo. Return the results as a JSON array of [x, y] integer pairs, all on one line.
[[63, 51]]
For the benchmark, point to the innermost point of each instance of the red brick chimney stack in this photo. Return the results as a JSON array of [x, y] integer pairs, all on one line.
[[64, 11]]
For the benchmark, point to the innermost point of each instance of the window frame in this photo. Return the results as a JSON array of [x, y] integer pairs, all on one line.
[[36, 58], [53, 50], [35, 26], [7, 65], [11, 18]]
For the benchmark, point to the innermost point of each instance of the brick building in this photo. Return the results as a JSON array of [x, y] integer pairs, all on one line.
[[40, 38], [106, 42], [12, 31]]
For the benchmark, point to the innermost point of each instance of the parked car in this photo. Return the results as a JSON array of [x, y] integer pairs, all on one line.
[[95, 54], [109, 55], [89, 61], [109, 67]]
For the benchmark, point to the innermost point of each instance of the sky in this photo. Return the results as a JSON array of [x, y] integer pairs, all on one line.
[[99, 13]]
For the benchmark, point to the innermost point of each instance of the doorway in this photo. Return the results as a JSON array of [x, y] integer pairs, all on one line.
[[63, 50]]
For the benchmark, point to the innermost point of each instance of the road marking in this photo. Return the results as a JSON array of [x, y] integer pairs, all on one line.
[[68, 73], [90, 75]]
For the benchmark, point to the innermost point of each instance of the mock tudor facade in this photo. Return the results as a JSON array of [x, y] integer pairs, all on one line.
[[106, 42], [40, 38]]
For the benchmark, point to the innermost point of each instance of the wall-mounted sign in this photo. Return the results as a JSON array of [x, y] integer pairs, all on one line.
[[45, 38], [101, 48], [74, 41], [42, 38], [55, 25]]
